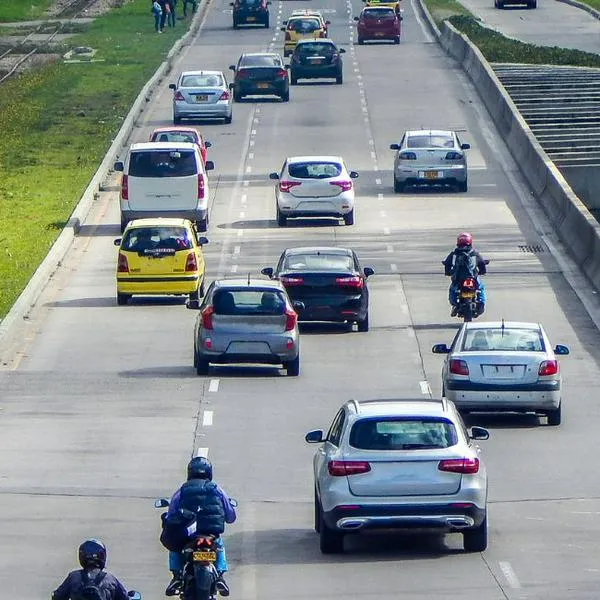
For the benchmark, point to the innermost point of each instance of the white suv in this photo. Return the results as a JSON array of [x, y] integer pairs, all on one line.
[[399, 464]]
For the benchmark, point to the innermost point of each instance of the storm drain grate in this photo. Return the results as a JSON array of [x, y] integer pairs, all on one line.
[[532, 249]]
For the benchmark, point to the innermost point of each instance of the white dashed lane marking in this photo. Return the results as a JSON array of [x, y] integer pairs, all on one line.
[[202, 452], [207, 418], [213, 386], [425, 389]]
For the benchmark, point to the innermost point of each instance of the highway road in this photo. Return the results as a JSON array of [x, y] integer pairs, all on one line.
[[100, 408], [552, 23]]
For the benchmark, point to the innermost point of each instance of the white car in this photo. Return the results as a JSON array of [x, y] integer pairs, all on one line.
[[314, 186]]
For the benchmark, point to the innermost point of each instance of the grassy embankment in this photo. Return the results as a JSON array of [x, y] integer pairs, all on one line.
[[57, 124]]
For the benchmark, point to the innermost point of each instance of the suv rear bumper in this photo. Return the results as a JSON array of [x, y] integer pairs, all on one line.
[[198, 214], [441, 517]]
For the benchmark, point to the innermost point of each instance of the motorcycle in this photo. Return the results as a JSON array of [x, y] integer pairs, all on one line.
[[199, 556], [469, 305]]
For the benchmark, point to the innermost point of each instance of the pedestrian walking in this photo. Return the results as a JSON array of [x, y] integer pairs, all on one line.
[[163, 16], [171, 16], [157, 12], [194, 4]]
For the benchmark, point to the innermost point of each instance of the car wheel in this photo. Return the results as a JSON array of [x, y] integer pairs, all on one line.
[[202, 289], [228, 119], [281, 219], [397, 40], [361, 41], [330, 540], [462, 187], [286, 96], [398, 186], [349, 218], [202, 365], [123, 299], [293, 367], [195, 357], [500, 4], [317, 513], [176, 120], [237, 97], [202, 224], [554, 416], [293, 80], [476, 540], [532, 4], [235, 24], [123, 224], [364, 324], [339, 79], [267, 23], [195, 295]]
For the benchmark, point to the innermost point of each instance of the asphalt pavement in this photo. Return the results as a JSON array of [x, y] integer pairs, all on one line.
[[100, 408]]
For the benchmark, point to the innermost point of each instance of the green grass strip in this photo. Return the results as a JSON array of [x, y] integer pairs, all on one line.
[[57, 124], [23, 10]]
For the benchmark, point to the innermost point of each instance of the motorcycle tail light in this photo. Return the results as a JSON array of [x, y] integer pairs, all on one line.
[[470, 284]]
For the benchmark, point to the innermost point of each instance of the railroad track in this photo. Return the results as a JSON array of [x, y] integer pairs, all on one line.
[[71, 9]]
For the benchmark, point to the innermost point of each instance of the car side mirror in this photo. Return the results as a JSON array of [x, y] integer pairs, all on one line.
[[119, 166], [440, 349], [273, 175], [268, 271], [314, 437], [561, 350], [208, 144], [327, 22], [193, 304], [118, 241], [298, 306], [232, 67], [353, 174], [172, 86], [342, 51], [209, 165], [465, 146], [161, 503], [368, 271], [394, 146], [134, 595], [284, 22], [202, 241], [357, 18], [479, 433]]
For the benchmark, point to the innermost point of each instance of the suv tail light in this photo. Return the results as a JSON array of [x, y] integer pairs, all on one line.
[[191, 264], [354, 281], [225, 95], [453, 156], [549, 367], [123, 265], [286, 186], [242, 74], [407, 156], [207, 314], [291, 319], [201, 188], [282, 73], [179, 96], [467, 466], [125, 187], [292, 281], [459, 367], [344, 185], [341, 468]]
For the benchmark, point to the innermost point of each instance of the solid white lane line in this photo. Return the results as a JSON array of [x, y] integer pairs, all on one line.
[[378, 181], [510, 575], [213, 386], [207, 418], [234, 268], [202, 452], [422, 25], [425, 389]]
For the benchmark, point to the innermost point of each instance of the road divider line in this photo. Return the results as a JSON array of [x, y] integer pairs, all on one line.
[[207, 418], [213, 386]]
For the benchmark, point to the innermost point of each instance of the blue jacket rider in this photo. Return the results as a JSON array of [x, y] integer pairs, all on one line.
[[199, 469]]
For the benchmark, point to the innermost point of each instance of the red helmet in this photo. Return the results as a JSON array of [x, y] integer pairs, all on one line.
[[464, 239]]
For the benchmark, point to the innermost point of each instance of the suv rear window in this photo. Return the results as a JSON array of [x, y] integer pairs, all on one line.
[[403, 434], [314, 170], [249, 302], [170, 163]]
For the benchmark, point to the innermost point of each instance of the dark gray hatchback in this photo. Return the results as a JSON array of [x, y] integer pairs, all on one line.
[[316, 59], [260, 74]]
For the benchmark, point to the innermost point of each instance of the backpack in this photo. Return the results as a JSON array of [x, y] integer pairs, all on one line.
[[174, 535], [465, 265], [91, 587]]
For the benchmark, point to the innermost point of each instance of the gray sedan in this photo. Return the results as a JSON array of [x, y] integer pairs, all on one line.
[[503, 366], [245, 321], [430, 157]]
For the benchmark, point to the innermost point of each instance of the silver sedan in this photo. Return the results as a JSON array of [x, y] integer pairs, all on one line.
[[430, 157], [503, 366]]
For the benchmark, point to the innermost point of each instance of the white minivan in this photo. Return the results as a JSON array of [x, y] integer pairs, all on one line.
[[164, 179]]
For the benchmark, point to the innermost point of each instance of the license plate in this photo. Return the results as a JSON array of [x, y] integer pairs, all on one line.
[[379, 34], [431, 174], [251, 19], [201, 98], [248, 348], [468, 294], [204, 556], [263, 86], [316, 61]]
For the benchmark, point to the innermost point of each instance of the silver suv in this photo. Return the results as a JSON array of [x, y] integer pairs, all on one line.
[[401, 464]]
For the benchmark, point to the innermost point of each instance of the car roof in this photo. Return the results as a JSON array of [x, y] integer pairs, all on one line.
[[314, 41], [176, 128], [163, 146], [498, 325], [159, 222], [202, 72], [239, 282], [386, 407], [295, 159], [430, 132], [261, 54], [322, 249]]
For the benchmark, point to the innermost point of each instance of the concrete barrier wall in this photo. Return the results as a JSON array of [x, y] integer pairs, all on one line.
[[577, 228]]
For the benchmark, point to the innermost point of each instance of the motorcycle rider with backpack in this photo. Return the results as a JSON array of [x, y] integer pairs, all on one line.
[[464, 262], [213, 508], [92, 582]]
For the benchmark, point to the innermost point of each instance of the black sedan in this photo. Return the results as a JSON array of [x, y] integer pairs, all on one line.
[[329, 282], [316, 59], [260, 74], [250, 12]]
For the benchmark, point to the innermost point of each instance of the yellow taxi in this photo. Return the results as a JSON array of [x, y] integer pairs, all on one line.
[[312, 12], [395, 4], [302, 27], [160, 256]]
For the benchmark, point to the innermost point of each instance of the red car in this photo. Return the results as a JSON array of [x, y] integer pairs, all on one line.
[[182, 134], [378, 23]]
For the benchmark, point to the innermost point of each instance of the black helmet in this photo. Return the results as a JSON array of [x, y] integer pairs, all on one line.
[[199, 468], [92, 553]]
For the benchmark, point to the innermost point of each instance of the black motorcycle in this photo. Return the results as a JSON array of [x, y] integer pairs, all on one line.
[[469, 300]]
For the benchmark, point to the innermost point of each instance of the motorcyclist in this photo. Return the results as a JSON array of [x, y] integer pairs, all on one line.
[[92, 558], [199, 491], [464, 246]]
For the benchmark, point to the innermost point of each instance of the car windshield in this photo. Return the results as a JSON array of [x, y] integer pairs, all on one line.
[[318, 262], [403, 434], [175, 136], [248, 2], [261, 60], [430, 141], [304, 25], [503, 340], [379, 13], [147, 163], [191, 81], [249, 302], [149, 239], [314, 170], [315, 49]]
